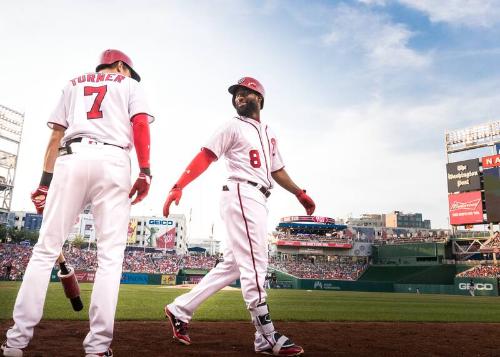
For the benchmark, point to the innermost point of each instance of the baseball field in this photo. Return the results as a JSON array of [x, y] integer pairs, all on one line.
[[325, 323]]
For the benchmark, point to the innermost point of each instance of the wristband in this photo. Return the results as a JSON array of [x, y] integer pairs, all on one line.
[[46, 178], [146, 171], [299, 192]]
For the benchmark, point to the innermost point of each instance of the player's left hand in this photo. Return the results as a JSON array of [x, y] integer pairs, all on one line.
[[175, 194], [38, 198], [141, 187], [306, 201]]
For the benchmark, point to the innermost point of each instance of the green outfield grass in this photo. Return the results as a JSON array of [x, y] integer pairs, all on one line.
[[142, 302]]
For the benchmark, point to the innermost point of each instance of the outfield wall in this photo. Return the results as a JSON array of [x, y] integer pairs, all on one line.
[[418, 280], [288, 281], [482, 286]]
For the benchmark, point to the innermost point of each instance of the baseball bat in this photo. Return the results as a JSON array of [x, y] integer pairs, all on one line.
[[69, 283]]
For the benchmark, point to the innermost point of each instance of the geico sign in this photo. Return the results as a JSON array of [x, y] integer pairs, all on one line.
[[161, 222], [479, 286]]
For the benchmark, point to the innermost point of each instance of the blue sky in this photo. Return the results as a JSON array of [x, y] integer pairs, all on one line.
[[359, 93]]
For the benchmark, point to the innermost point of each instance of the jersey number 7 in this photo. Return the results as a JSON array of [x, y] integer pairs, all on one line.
[[95, 111]]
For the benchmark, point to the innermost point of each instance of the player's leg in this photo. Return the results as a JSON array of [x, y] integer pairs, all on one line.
[[65, 200], [109, 188], [248, 224], [181, 310], [226, 272]]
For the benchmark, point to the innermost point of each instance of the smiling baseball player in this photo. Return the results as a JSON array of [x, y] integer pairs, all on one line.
[[98, 119], [254, 162]]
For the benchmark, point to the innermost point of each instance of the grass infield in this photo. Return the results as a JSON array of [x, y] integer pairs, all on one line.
[[145, 302]]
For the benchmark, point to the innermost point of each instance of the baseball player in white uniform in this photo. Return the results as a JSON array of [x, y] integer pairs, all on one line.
[[98, 119], [254, 162]]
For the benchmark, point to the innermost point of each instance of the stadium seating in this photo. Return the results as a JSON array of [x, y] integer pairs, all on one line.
[[17, 256], [337, 268], [482, 271]]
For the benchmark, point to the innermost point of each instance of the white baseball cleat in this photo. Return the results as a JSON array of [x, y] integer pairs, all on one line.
[[11, 351]]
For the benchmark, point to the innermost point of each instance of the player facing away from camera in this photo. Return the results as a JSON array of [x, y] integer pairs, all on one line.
[[254, 162], [98, 119]]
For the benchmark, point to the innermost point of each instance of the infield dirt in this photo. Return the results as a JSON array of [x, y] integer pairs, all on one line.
[[153, 338]]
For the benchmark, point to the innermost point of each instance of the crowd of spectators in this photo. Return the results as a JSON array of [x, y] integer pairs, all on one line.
[[334, 268], [494, 242], [482, 271], [198, 261], [14, 259], [379, 235], [404, 236]]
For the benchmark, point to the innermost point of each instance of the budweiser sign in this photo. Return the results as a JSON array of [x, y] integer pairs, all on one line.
[[472, 205], [465, 208]]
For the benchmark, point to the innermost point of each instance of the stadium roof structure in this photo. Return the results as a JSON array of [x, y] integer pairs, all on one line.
[[308, 228], [197, 249]]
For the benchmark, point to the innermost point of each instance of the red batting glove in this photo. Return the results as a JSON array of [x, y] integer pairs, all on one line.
[[175, 194], [306, 201], [141, 187], [38, 198]]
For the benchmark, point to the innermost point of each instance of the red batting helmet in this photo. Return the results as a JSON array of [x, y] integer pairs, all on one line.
[[250, 83], [111, 56]]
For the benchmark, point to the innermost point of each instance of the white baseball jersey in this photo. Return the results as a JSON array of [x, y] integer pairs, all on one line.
[[100, 106], [250, 148], [252, 154]]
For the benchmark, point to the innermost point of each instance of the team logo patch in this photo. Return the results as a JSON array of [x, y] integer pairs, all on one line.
[[273, 143]]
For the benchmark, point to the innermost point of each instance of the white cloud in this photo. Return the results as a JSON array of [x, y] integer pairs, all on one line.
[[383, 43], [474, 13], [373, 2]]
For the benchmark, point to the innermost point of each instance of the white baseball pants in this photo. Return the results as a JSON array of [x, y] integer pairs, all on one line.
[[99, 175], [244, 211]]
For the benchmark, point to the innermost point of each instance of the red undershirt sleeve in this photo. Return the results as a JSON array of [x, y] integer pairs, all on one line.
[[142, 140], [198, 165]]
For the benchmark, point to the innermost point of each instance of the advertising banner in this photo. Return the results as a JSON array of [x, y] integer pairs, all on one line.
[[85, 276], [161, 233], [476, 286], [491, 179], [132, 232], [81, 275], [465, 208], [168, 279], [491, 161], [463, 176], [313, 244], [166, 240], [314, 219], [134, 278]]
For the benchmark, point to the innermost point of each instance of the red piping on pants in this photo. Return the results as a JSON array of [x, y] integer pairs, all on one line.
[[250, 242]]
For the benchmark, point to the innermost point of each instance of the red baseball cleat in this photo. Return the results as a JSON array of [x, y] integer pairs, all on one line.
[[179, 328]]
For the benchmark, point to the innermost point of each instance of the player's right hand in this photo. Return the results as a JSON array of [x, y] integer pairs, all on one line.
[[38, 198], [306, 201], [175, 194]]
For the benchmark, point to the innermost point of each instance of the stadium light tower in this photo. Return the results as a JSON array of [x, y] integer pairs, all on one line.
[[475, 137], [11, 129]]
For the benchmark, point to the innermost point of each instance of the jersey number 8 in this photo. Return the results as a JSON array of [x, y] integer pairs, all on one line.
[[255, 158]]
